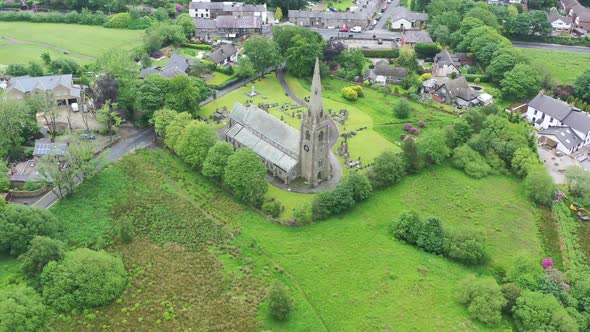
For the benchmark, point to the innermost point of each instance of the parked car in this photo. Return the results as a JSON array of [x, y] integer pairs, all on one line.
[[75, 107], [87, 136], [372, 26], [333, 9], [343, 29], [356, 29], [428, 60], [383, 8]]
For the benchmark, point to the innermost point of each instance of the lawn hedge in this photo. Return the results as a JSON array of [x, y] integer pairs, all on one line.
[[394, 53], [197, 46]]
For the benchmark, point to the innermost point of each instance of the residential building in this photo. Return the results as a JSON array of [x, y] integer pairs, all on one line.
[[224, 54], [286, 152], [404, 19], [445, 64], [228, 27], [560, 23], [507, 2], [324, 20], [60, 87], [176, 65], [383, 74], [412, 37], [211, 10], [567, 127], [205, 28], [455, 91], [579, 14]]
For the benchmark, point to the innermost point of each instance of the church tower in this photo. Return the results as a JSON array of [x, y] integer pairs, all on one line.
[[314, 147]]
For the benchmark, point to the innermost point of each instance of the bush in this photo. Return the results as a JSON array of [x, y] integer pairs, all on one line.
[[216, 160], [203, 47], [302, 214], [349, 93], [120, 21], [21, 309], [43, 250], [469, 160], [360, 185], [427, 50], [332, 202], [539, 185], [466, 247], [408, 227], [473, 77], [387, 169], [536, 311], [279, 302], [84, 279], [272, 208], [19, 224], [431, 236], [402, 110], [511, 293], [358, 89], [483, 298], [393, 53]]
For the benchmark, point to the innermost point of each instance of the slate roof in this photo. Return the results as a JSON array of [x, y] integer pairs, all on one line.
[[176, 65], [578, 120], [553, 107], [27, 84], [402, 12], [228, 7], [53, 149], [446, 58], [384, 69], [244, 22], [324, 15], [222, 52], [566, 136], [266, 135], [204, 24], [459, 88], [412, 37], [556, 16]]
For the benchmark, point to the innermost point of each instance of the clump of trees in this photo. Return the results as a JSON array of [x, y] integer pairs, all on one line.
[[484, 299], [403, 109], [280, 303], [22, 309], [354, 189], [19, 224], [299, 47]]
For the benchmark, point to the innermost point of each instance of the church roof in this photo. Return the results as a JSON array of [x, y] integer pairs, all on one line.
[[266, 135]]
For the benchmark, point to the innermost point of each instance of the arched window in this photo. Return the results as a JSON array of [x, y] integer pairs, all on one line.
[[320, 162], [321, 136], [321, 113], [307, 135]]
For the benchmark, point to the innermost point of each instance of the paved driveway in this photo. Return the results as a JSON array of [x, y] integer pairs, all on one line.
[[556, 165]]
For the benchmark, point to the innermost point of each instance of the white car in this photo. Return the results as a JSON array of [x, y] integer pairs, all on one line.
[[356, 29], [74, 107]]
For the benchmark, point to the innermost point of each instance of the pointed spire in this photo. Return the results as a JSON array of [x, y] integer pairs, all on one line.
[[316, 106]]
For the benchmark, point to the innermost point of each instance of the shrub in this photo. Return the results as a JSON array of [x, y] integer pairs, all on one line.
[[120, 21], [402, 110], [272, 208], [466, 247], [425, 50], [393, 53], [279, 302], [43, 250], [216, 160], [387, 169], [536, 311], [421, 124], [349, 93], [408, 227], [84, 279], [469, 160], [21, 309], [433, 147], [511, 293], [539, 185], [431, 237], [302, 214], [415, 131], [483, 298], [360, 185], [332, 202], [525, 273], [425, 76], [19, 224], [203, 47], [407, 126], [358, 89]]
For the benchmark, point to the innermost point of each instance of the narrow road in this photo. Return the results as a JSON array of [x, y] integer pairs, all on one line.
[[12, 41], [551, 47], [382, 23], [140, 140]]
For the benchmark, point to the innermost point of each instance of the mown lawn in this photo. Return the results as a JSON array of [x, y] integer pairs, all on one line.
[[83, 39], [218, 78], [23, 54], [564, 66]]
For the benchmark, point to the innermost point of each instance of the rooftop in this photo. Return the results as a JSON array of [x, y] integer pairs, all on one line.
[[565, 135], [553, 107]]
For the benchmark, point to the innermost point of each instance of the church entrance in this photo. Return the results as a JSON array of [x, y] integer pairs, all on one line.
[[319, 176]]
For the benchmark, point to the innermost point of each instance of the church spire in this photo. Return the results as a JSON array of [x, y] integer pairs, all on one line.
[[316, 107]]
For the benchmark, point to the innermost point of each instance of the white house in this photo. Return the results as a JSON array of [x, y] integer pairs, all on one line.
[[404, 19], [562, 126], [560, 23], [211, 10], [445, 65]]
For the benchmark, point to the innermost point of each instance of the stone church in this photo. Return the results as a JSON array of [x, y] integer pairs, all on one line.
[[286, 152]]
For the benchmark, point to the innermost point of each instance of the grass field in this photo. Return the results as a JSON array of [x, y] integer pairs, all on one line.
[[564, 66], [83, 39], [22, 53], [218, 78]]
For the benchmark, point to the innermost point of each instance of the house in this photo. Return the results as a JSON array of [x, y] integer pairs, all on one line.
[[205, 28], [211, 10], [507, 2], [567, 127], [455, 91], [404, 19], [411, 37], [560, 23], [176, 65], [579, 14], [60, 87], [383, 74], [223, 54], [445, 64], [324, 20], [236, 27]]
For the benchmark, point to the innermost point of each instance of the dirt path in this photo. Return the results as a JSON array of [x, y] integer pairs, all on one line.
[[12, 41]]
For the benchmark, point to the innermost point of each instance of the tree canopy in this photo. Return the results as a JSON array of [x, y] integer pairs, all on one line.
[[19, 224], [245, 175]]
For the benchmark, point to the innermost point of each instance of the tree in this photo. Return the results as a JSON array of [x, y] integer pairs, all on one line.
[[17, 70], [195, 142], [105, 89], [19, 224], [402, 110], [187, 24], [82, 159], [431, 236], [175, 129], [536, 311], [46, 58], [278, 14], [407, 58], [387, 169], [352, 62], [466, 247], [427, 50], [469, 160], [83, 279], [17, 124], [118, 63], [245, 69], [525, 273], [483, 298], [21, 309], [161, 119], [64, 66], [301, 55], [43, 250], [539, 185], [185, 93], [332, 202], [523, 160], [279, 302], [511, 293], [332, 50], [262, 52], [433, 147], [245, 176], [521, 82], [408, 227], [582, 86], [109, 117], [411, 155], [578, 181], [216, 160], [150, 92], [360, 185], [35, 69], [500, 65]]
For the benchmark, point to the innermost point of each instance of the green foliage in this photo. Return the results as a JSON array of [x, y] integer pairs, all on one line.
[[17, 125], [21, 309], [262, 52], [272, 208], [109, 117], [403, 109], [352, 63], [64, 66], [427, 50], [483, 298], [511, 293], [523, 160], [536, 311], [387, 169], [161, 119], [360, 185], [278, 14], [582, 86], [245, 176], [433, 147], [539, 185], [280, 303], [332, 202], [466, 247], [526, 274], [175, 128], [408, 227], [43, 250], [302, 53], [469, 160], [394, 53], [411, 155], [149, 94], [216, 160], [187, 24], [185, 93], [431, 236], [195, 142], [578, 181], [120, 21], [83, 279], [349, 93], [520, 82], [167, 33], [19, 224]]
